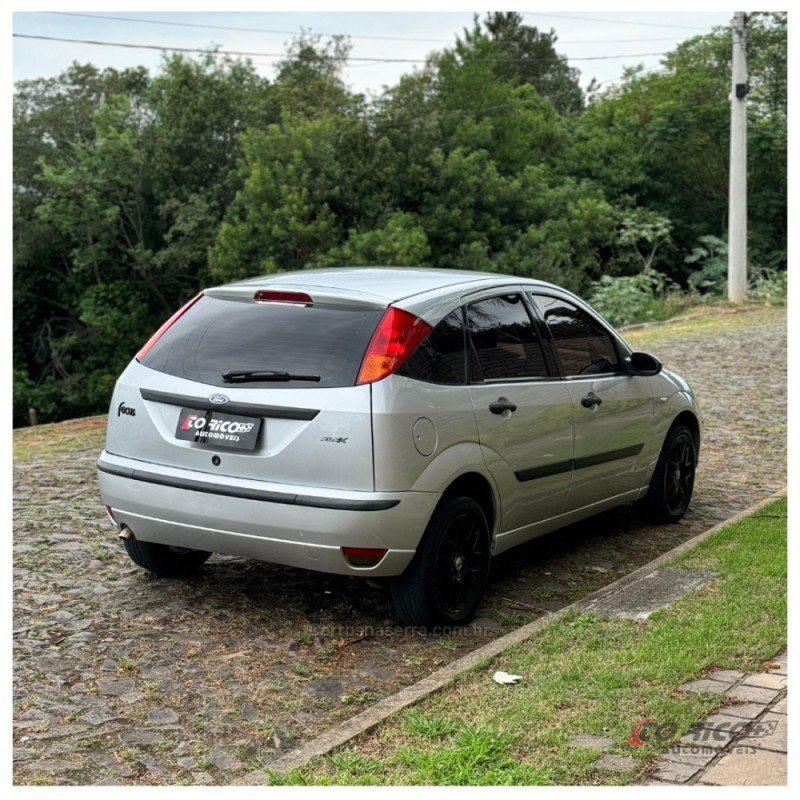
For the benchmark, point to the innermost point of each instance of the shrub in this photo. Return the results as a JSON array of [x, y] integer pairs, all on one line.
[[712, 257], [633, 298], [767, 285]]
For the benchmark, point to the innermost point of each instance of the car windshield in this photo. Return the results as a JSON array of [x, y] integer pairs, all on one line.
[[219, 336]]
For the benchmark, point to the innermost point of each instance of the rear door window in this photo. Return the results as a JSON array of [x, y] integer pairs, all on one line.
[[504, 342], [218, 334]]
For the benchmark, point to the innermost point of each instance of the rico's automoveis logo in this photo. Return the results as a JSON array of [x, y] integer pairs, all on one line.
[[206, 428], [648, 730], [127, 410]]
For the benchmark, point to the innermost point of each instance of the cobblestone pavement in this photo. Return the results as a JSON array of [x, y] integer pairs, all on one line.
[[123, 679]]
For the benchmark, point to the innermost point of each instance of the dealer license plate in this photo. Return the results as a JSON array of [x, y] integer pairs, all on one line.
[[223, 430]]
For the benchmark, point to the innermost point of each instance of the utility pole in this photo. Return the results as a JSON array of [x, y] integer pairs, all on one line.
[[737, 191]]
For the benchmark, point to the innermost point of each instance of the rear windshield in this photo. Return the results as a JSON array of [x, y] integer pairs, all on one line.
[[218, 335]]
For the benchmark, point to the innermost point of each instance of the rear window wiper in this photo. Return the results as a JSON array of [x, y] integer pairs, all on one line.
[[245, 376]]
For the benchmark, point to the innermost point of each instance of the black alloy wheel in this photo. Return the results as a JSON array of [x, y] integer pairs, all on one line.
[[673, 481], [164, 560], [445, 581], [460, 561]]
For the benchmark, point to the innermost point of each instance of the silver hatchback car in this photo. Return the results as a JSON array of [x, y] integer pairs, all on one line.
[[387, 423]]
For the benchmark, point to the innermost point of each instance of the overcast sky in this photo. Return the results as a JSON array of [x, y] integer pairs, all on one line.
[[598, 43]]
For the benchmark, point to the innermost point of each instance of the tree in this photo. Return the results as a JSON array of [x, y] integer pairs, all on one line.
[[529, 56], [661, 141], [200, 108], [564, 228], [400, 242], [452, 167], [50, 115], [645, 232], [101, 202], [131, 192], [309, 79], [479, 108], [114, 217], [283, 216]]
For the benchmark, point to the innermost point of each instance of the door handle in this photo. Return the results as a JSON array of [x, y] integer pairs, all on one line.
[[591, 401], [501, 405]]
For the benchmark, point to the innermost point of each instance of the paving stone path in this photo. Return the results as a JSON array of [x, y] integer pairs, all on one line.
[[743, 743]]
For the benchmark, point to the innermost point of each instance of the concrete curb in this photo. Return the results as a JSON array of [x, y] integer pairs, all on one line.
[[373, 716]]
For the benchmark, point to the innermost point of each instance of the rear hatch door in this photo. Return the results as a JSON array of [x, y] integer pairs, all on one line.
[[254, 388]]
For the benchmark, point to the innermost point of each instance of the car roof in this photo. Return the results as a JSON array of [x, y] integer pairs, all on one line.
[[386, 284]]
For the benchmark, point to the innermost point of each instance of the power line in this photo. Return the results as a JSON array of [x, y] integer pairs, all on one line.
[[242, 53], [295, 33], [249, 54], [236, 29], [619, 21]]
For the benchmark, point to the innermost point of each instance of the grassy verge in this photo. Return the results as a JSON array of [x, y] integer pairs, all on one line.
[[582, 674], [699, 321]]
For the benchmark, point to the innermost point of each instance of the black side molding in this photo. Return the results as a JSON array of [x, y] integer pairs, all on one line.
[[262, 495], [533, 473], [610, 455], [545, 471]]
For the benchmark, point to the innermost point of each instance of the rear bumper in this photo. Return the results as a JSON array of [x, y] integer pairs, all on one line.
[[298, 526]]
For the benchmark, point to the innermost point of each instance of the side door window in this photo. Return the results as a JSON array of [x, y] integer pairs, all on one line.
[[583, 345]]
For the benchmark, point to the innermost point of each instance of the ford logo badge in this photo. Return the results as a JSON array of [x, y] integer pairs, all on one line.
[[219, 399]]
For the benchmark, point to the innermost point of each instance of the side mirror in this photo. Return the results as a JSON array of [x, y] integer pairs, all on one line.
[[643, 364]]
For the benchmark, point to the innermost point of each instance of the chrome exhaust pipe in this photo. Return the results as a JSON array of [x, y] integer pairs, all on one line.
[[126, 533]]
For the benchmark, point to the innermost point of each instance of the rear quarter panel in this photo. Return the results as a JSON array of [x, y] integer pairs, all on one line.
[[424, 435]]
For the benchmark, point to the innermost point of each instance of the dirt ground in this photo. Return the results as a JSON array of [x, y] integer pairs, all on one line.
[[124, 679]]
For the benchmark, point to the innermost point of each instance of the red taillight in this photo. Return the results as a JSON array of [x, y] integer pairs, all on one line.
[[165, 327], [394, 340], [363, 556], [110, 513], [274, 296]]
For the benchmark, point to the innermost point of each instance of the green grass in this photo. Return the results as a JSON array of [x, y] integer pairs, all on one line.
[[700, 320], [583, 674], [59, 438]]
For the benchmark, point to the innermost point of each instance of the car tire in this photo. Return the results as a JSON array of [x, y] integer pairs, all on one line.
[[165, 561], [673, 480], [444, 582]]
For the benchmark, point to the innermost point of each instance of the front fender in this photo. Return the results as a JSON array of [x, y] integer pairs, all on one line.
[[669, 408]]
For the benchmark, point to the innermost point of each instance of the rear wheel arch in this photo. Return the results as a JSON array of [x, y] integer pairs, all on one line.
[[476, 486], [444, 583]]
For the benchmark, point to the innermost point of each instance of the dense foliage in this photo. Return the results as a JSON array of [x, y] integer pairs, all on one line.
[[132, 191]]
